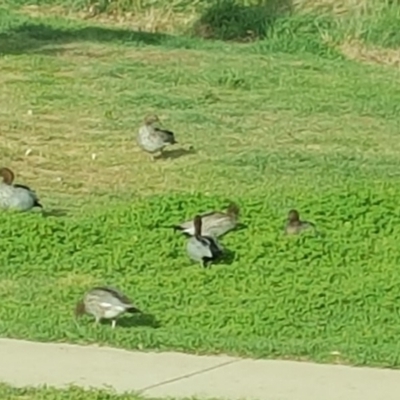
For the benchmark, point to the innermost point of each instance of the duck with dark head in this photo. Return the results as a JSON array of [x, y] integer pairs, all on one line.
[[202, 248], [15, 196]]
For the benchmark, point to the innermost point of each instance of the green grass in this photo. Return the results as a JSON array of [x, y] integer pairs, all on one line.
[[73, 393], [271, 131]]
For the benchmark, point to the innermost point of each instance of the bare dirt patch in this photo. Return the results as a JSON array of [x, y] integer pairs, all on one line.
[[151, 20]]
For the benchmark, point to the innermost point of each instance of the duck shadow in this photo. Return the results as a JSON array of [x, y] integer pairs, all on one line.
[[136, 320], [227, 258], [177, 153], [55, 212], [241, 226]]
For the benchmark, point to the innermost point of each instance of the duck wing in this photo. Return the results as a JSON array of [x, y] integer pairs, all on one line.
[[218, 224], [36, 202], [300, 226], [213, 245], [310, 225], [207, 219], [212, 215], [165, 135], [115, 298], [17, 185]]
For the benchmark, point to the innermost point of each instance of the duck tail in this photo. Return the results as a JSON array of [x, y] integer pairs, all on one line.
[[133, 310], [171, 137], [181, 230], [168, 136], [37, 204]]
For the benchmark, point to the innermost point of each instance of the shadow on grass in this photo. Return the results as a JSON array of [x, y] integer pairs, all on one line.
[[135, 320], [229, 20], [176, 153], [55, 212], [30, 36], [227, 258]]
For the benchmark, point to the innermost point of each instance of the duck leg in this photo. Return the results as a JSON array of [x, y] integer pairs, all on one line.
[[159, 154], [151, 156], [113, 323]]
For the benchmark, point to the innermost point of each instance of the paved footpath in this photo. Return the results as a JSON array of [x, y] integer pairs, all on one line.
[[24, 363]]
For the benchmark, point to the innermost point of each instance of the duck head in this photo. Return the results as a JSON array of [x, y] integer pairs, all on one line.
[[7, 175], [197, 225], [79, 309], [293, 217], [233, 210], [151, 119]]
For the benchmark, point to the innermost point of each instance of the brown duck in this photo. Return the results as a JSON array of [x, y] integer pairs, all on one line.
[[152, 138], [16, 196], [214, 223], [295, 225], [104, 302]]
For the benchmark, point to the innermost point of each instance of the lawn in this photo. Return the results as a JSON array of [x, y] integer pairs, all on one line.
[[73, 393], [271, 131]]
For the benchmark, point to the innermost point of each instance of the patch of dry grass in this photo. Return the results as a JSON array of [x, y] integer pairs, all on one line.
[[336, 7], [151, 19], [355, 50]]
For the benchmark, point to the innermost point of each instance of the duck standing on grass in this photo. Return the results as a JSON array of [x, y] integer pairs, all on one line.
[[294, 225], [214, 223], [105, 303], [203, 249], [15, 196], [152, 139]]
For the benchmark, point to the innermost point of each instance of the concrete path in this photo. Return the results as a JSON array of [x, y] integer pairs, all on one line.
[[25, 363]]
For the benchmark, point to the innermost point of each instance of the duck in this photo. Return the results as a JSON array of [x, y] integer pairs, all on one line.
[[294, 225], [214, 223], [104, 302], [202, 248], [16, 196], [151, 138]]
